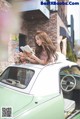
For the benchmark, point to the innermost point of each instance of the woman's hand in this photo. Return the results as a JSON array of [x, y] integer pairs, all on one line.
[[27, 54]]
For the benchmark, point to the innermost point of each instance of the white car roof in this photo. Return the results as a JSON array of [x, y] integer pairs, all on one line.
[[42, 70], [38, 67]]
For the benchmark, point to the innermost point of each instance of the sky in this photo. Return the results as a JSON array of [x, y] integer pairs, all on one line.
[[75, 11]]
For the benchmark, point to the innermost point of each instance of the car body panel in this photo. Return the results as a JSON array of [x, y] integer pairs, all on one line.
[[14, 99], [42, 98], [77, 116], [44, 109]]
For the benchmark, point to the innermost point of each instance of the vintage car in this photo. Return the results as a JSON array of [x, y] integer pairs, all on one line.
[[31, 91]]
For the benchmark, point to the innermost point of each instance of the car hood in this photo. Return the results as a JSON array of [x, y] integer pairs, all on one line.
[[14, 99]]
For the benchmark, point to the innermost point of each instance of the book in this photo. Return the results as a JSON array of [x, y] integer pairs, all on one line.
[[27, 48]]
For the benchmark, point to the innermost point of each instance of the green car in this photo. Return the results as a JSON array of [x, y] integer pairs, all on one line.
[[31, 91]]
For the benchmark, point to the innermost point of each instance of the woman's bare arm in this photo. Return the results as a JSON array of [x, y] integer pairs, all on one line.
[[31, 60], [34, 59], [37, 60]]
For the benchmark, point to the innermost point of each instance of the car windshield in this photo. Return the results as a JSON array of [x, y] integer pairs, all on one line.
[[16, 76], [74, 70]]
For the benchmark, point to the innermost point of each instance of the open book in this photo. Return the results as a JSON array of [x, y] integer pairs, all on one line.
[[27, 48]]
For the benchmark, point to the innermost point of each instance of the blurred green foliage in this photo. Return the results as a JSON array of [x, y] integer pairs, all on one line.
[[70, 54], [15, 37]]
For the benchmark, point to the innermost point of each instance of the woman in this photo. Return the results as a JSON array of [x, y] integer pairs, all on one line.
[[44, 51]]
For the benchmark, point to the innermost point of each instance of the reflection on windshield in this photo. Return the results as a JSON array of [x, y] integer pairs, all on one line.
[[70, 70], [18, 77]]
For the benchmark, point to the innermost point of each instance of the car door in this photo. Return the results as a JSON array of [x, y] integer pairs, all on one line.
[[46, 87]]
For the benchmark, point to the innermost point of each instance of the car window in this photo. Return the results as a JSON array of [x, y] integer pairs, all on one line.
[[74, 70], [16, 76]]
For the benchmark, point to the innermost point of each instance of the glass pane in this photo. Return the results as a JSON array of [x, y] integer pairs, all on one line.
[[74, 70], [18, 77]]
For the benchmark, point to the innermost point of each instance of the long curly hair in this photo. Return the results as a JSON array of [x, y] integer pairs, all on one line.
[[47, 43]]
